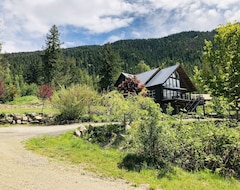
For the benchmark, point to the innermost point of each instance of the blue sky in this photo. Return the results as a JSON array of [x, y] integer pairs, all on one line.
[[25, 23]]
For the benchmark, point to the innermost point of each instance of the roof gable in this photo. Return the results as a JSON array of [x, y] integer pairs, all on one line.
[[159, 76], [146, 76]]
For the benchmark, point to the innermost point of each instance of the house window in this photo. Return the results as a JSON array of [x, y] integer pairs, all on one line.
[[170, 94], [173, 81], [152, 93], [167, 94]]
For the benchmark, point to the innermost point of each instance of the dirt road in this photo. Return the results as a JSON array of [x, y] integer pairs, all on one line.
[[21, 169]]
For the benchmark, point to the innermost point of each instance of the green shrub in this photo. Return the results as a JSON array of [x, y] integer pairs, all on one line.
[[209, 145], [74, 101], [105, 135]]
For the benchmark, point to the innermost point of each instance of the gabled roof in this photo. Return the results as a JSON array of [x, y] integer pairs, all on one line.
[[146, 76], [159, 76]]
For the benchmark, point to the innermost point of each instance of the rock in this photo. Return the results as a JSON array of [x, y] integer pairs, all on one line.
[[128, 127], [35, 122], [3, 121], [24, 118], [19, 121], [77, 133], [9, 119], [82, 129], [17, 117], [38, 117]]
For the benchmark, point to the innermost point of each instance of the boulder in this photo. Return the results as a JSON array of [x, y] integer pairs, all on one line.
[[82, 129], [18, 121], [17, 117], [9, 119], [38, 117], [77, 133], [25, 118]]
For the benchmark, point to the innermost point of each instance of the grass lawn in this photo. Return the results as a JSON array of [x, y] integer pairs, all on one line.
[[27, 104], [105, 162]]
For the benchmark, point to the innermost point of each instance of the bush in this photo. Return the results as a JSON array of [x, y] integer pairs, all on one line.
[[107, 135], [192, 146], [28, 90], [74, 101], [208, 145]]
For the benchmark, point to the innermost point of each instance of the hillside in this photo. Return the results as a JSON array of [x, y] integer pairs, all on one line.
[[185, 48]]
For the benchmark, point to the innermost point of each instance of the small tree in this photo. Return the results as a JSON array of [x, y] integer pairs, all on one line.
[[221, 68], [45, 92]]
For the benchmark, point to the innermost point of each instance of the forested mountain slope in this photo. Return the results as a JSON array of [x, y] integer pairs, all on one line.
[[184, 48]]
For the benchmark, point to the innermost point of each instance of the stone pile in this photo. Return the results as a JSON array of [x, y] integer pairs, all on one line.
[[32, 118]]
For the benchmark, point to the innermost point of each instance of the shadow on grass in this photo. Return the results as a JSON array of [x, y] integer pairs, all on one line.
[[135, 162], [132, 162]]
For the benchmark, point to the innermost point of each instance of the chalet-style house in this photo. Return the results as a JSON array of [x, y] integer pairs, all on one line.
[[169, 85]]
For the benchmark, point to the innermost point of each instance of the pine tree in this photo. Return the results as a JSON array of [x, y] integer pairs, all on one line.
[[110, 68], [52, 56]]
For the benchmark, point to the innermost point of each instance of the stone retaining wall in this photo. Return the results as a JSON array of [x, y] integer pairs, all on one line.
[[33, 118]]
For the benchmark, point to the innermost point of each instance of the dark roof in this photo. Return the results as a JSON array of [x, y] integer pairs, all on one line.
[[159, 76], [146, 76]]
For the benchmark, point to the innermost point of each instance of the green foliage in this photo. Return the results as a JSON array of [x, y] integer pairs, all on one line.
[[106, 136], [107, 163], [169, 109], [52, 57], [191, 146], [11, 93], [142, 67], [2, 89], [222, 62], [152, 144], [126, 110], [74, 101], [199, 81], [29, 89], [110, 68], [71, 65], [25, 100]]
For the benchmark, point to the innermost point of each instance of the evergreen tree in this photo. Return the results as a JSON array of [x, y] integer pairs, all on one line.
[[110, 68], [52, 57]]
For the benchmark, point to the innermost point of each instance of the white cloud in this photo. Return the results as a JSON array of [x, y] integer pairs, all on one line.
[[34, 18], [114, 38], [170, 17], [26, 22]]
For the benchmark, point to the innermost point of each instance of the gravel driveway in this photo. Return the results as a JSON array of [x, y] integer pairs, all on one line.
[[21, 169]]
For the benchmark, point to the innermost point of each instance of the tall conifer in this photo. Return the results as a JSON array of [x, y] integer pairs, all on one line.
[[52, 56]]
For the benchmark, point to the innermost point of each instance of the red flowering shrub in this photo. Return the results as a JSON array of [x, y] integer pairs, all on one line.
[[45, 92], [131, 85]]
